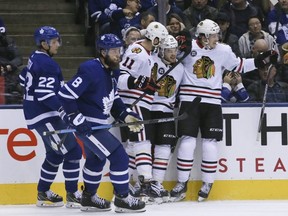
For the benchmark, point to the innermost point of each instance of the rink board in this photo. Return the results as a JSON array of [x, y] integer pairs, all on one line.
[[247, 169]]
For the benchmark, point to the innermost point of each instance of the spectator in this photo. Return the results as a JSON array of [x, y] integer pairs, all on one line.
[[255, 32], [225, 35], [130, 36], [277, 21], [264, 5], [145, 4], [240, 11], [146, 18], [182, 4], [98, 19], [198, 11], [178, 30], [282, 70], [277, 91], [233, 89], [125, 18], [259, 46], [10, 62], [169, 9]]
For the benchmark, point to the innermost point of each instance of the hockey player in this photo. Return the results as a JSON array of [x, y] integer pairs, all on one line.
[[136, 77], [164, 139], [42, 79], [203, 77], [88, 99]]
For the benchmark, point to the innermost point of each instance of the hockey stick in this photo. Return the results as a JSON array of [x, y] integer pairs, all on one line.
[[108, 126], [263, 104], [162, 77], [195, 102]]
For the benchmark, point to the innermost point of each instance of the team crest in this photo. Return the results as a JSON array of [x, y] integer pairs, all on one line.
[[136, 50], [204, 68], [108, 103], [168, 86]]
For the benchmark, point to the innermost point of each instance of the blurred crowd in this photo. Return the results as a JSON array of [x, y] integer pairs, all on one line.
[[248, 26]]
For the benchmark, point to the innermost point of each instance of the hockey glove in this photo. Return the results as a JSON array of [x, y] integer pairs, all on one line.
[[263, 58], [184, 42], [129, 116], [63, 115], [133, 117], [146, 85], [79, 123]]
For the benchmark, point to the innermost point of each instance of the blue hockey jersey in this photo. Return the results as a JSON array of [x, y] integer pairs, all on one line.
[[41, 79], [92, 91]]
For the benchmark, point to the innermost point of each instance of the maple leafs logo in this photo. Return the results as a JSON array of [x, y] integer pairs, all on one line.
[[108, 103]]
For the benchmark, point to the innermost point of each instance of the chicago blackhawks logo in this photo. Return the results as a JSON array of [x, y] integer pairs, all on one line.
[[204, 68], [168, 86]]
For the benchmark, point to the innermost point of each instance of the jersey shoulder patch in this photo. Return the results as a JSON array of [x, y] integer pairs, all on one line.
[[136, 50]]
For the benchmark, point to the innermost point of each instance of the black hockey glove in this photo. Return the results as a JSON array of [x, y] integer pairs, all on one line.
[[264, 58], [184, 42], [146, 85], [63, 115], [79, 123]]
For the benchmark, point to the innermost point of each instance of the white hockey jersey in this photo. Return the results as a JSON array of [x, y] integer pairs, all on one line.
[[204, 69], [164, 98], [136, 61]]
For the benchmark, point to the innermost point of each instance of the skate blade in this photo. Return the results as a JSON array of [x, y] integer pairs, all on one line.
[[73, 205], [155, 200], [166, 199], [177, 199], [125, 210], [201, 199], [93, 209], [49, 204]]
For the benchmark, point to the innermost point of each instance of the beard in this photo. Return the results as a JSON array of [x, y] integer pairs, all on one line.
[[112, 64]]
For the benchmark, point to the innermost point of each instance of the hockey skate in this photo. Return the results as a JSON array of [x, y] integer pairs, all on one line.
[[178, 193], [204, 191], [134, 190], [152, 191], [49, 199], [158, 193], [73, 200], [128, 204], [94, 203]]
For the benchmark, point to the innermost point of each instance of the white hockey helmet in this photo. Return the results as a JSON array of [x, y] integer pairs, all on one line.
[[207, 27], [169, 43], [156, 30]]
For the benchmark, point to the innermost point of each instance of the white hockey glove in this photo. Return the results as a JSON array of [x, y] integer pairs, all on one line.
[[134, 117]]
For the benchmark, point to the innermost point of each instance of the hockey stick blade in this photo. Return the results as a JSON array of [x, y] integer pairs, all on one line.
[[108, 126]]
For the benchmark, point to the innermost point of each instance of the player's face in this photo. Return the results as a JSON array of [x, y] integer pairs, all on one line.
[[54, 45], [213, 40], [170, 55], [113, 58]]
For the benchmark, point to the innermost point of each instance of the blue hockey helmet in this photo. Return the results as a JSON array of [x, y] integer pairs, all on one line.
[[108, 41], [46, 33]]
